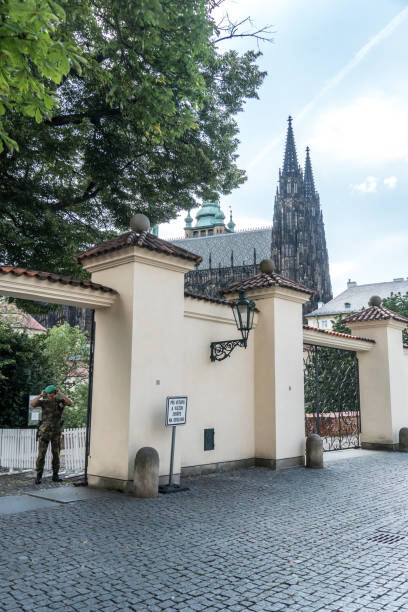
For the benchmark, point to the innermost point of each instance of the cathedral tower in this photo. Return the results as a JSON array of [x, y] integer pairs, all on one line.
[[298, 239]]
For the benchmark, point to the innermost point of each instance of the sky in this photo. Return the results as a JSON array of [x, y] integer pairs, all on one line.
[[339, 67]]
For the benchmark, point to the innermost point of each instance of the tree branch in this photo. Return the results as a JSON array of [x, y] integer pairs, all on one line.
[[77, 118], [90, 192], [232, 30]]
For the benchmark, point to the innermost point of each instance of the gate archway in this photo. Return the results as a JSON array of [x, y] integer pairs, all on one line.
[[332, 398]]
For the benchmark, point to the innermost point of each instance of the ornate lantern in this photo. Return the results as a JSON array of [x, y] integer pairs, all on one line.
[[243, 310]]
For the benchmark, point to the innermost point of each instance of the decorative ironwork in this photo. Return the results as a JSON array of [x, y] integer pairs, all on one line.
[[210, 281], [332, 399], [222, 350]]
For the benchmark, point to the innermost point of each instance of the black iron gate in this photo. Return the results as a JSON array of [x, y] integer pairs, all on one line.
[[332, 399]]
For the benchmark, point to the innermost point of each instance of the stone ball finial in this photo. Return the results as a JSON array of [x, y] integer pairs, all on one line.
[[374, 300], [139, 223], [267, 266]]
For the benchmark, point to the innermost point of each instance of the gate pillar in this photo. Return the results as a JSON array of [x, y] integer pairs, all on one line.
[[383, 375], [138, 354], [279, 386]]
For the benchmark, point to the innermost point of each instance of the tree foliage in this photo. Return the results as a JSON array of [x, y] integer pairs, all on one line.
[[146, 126], [398, 303], [24, 369], [76, 415], [66, 348], [35, 54], [29, 364]]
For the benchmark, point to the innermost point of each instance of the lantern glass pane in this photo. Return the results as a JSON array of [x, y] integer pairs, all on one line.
[[242, 309], [236, 316]]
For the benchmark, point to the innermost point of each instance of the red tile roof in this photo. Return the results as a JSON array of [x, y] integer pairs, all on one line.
[[143, 240], [330, 332], [18, 318], [375, 313], [56, 278], [264, 280]]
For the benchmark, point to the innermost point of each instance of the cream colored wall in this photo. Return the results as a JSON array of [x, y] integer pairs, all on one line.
[[279, 386], [383, 383], [142, 335], [158, 344], [289, 388], [112, 374], [265, 427], [220, 394], [157, 364]]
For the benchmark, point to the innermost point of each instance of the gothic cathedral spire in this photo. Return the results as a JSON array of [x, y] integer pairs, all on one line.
[[290, 162], [298, 238]]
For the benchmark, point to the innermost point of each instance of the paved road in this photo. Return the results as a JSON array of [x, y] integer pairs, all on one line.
[[333, 539]]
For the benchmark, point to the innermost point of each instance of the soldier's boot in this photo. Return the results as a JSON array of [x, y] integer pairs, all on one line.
[[56, 478], [38, 479]]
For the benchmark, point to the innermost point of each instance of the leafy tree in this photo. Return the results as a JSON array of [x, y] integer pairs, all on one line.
[[398, 303], [36, 53], [24, 369], [147, 126], [28, 364], [65, 348], [75, 415]]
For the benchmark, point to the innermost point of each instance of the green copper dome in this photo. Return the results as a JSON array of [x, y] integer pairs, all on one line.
[[189, 220], [210, 214]]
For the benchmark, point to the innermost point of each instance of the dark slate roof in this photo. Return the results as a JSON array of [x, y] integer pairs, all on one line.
[[144, 240], [56, 278], [206, 298], [330, 332], [358, 296], [221, 246], [264, 280], [375, 313]]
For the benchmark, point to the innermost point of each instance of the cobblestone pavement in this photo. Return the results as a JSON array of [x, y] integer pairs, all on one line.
[[333, 539], [23, 482]]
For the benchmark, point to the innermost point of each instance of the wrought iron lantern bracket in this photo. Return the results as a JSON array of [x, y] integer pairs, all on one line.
[[222, 350], [243, 310]]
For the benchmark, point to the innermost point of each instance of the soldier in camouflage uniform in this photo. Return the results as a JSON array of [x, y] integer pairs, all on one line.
[[52, 403]]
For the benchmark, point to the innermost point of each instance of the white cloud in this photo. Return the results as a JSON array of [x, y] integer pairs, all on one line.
[[391, 182], [370, 129], [367, 186]]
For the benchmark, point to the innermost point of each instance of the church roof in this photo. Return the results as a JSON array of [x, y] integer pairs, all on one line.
[[144, 240], [357, 296], [238, 247], [264, 280], [209, 215], [375, 313]]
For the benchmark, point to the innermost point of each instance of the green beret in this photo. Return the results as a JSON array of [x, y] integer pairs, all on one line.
[[50, 389]]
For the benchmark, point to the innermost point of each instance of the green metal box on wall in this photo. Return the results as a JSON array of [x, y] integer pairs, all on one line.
[[208, 439]]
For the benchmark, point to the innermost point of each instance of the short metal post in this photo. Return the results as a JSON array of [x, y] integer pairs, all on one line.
[[173, 440]]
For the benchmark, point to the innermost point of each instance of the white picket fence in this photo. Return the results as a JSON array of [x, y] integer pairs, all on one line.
[[18, 450]]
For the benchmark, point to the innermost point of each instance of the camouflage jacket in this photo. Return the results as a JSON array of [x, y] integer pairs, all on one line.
[[51, 415]]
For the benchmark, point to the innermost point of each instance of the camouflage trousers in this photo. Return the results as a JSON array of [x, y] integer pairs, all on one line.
[[55, 439]]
